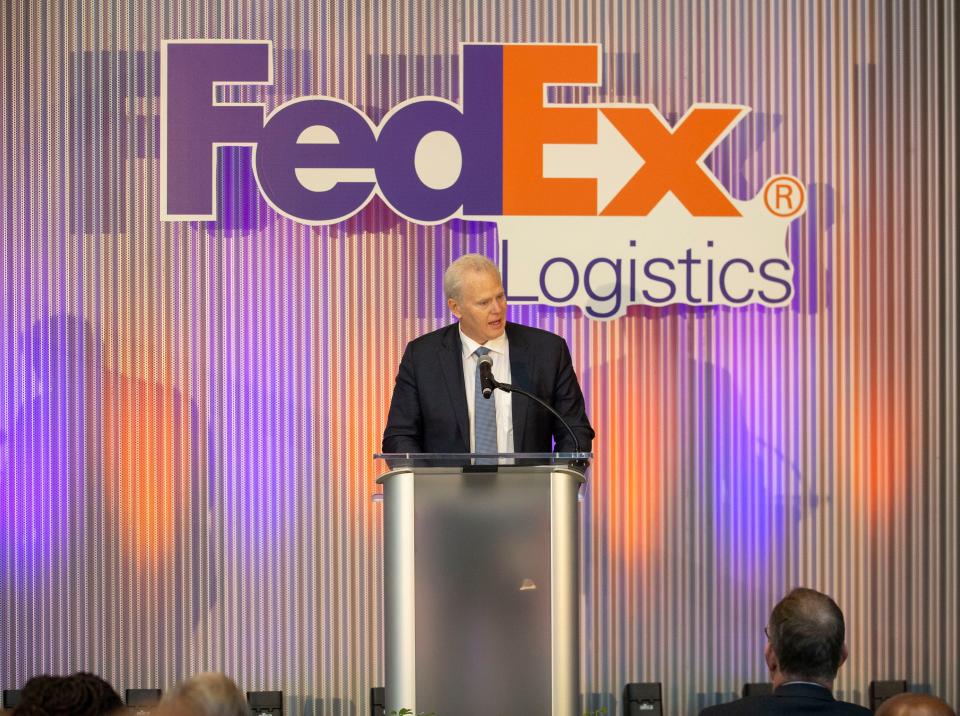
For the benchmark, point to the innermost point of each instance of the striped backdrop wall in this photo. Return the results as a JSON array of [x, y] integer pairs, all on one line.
[[188, 410]]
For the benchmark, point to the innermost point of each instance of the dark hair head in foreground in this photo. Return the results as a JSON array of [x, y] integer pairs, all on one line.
[[82, 694], [914, 705], [806, 632]]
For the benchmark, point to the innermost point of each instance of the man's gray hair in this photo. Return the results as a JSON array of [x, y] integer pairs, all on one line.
[[453, 278], [209, 694]]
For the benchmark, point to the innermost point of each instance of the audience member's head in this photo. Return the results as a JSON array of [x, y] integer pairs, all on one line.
[[914, 705], [806, 639], [78, 695], [208, 694]]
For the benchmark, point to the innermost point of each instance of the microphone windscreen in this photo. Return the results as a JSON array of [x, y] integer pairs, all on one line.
[[485, 367]]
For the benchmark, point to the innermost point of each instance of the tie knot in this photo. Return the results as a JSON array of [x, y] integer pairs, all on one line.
[[481, 351]]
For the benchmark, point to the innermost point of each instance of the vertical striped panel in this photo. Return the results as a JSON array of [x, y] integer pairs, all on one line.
[[187, 410]]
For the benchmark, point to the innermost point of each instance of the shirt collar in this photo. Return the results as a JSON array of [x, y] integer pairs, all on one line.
[[496, 345], [804, 688]]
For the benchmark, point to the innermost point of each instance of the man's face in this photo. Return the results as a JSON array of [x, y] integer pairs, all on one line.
[[482, 308]]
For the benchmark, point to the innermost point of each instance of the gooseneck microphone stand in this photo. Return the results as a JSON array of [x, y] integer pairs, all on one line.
[[507, 388]]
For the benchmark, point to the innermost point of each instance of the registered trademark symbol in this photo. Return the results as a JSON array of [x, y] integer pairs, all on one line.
[[784, 196]]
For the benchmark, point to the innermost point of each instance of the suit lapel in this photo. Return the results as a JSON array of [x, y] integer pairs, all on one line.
[[451, 366], [520, 376]]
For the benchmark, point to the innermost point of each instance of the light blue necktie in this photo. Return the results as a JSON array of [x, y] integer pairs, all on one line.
[[484, 415]]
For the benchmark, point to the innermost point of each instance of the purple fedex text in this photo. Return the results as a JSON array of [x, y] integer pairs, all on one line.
[[194, 125]]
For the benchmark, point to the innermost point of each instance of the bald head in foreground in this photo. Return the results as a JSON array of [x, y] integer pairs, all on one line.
[[805, 648], [914, 705]]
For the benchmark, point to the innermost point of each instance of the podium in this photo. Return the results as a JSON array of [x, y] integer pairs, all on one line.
[[481, 570]]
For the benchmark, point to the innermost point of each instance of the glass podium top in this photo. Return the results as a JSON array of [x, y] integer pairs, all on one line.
[[482, 462]]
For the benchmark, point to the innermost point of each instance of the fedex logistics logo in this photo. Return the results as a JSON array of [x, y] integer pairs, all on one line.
[[597, 205]]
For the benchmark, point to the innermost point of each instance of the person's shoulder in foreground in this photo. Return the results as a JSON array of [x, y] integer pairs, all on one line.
[[788, 699], [805, 648]]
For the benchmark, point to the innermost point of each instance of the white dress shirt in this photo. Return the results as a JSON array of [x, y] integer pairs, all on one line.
[[500, 352]]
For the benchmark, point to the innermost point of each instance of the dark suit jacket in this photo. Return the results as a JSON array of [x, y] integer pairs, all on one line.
[[789, 699], [428, 412]]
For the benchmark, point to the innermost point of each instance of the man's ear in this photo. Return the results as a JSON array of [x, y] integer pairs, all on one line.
[[454, 308], [844, 653], [770, 656]]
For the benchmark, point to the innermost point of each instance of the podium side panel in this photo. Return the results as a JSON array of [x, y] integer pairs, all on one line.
[[564, 568], [399, 571]]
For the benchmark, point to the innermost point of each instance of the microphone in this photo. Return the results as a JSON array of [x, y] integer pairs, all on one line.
[[487, 382]]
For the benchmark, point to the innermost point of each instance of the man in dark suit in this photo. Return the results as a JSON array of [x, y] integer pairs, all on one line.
[[805, 648], [437, 405]]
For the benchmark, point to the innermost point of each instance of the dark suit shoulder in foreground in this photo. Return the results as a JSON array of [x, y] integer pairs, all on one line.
[[788, 699]]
